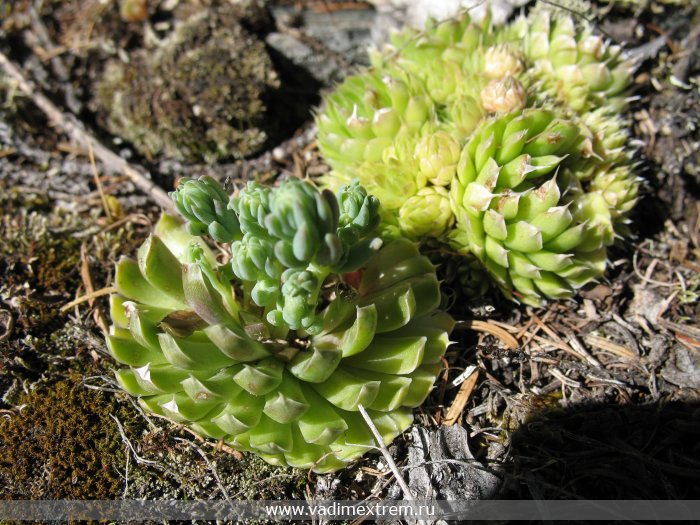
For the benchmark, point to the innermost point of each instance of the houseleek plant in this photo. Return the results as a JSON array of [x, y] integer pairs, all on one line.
[[494, 141], [274, 349]]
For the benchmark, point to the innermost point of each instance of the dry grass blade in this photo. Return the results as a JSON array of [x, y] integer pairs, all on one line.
[[89, 297], [96, 176], [90, 289], [687, 330], [563, 379], [387, 456], [608, 346], [462, 398], [492, 329], [6, 152]]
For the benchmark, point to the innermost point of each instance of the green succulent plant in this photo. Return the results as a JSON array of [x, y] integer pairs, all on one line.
[[275, 351], [369, 130], [535, 236], [572, 63], [561, 85]]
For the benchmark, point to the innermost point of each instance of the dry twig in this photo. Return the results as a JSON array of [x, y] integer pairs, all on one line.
[[462, 398], [492, 329], [89, 297], [72, 127], [385, 452]]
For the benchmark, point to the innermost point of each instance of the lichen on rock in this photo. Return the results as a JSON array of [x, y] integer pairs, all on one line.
[[202, 94]]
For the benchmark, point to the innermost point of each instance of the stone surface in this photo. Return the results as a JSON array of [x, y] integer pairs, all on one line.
[[441, 466], [326, 45]]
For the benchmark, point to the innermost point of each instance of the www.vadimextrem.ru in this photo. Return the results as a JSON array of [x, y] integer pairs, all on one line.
[[338, 510]]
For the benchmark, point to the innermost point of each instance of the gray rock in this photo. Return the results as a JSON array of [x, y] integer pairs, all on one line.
[[326, 45], [441, 466], [682, 368]]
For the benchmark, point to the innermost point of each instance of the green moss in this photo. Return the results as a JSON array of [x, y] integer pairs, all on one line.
[[201, 95], [62, 443], [40, 259], [40, 252]]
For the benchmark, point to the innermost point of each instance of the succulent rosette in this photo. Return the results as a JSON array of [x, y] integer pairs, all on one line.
[[609, 195], [559, 79], [275, 351], [572, 63], [427, 214], [516, 212], [369, 130]]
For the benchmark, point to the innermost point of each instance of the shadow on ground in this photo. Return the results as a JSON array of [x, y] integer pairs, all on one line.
[[607, 452]]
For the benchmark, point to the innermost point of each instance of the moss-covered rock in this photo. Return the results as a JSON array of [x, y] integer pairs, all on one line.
[[202, 94]]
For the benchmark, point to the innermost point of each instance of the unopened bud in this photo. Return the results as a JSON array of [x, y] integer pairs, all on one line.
[[503, 96], [426, 214], [500, 62], [438, 155]]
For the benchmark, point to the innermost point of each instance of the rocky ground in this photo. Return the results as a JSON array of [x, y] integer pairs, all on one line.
[[597, 397]]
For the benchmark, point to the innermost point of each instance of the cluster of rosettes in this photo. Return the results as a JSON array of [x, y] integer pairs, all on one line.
[[285, 242], [275, 351], [411, 127]]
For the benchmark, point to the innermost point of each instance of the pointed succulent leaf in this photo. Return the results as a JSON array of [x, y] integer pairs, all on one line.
[[181, 408], [161, 268], [347, 391], [317, 364], [391, 355], [131, 284], [287, 403], [235, 343], [195, 352], [261, 378], [128, 352], [242, 413], [271, 437]]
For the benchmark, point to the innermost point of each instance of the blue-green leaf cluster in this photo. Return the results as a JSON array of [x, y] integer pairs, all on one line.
[[205, 205], [285, 241]]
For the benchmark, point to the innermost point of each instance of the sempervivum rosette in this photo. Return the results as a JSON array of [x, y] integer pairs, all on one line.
[[275, 352], [462, 66], [382, 130], [606, 196], [585, 74], [517, 214], [546, 72], [369, 130], [572, 63]]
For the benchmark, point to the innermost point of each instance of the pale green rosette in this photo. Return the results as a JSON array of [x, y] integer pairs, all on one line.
[[371, 124], [426, 214], [556, 77], [572, 63], [517, 214], [199, 346]]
